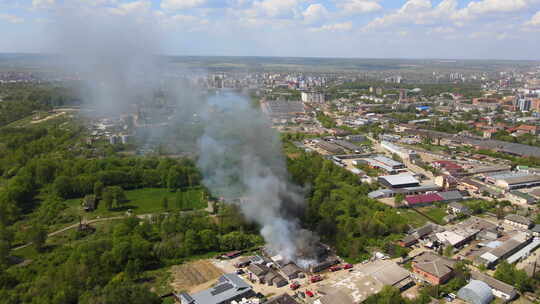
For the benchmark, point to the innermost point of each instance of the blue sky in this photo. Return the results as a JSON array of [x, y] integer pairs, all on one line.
[[498, 29]]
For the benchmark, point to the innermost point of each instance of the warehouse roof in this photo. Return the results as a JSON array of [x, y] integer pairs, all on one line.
[[337, 297], [518, 219], [524, 252], [476, 292], [229, 286], [450, 195], [388, 161], [492, 282], [400, 179], [282, 299]]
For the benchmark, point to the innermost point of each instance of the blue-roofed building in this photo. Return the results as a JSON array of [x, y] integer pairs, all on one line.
[[229, 287], [476, 292]]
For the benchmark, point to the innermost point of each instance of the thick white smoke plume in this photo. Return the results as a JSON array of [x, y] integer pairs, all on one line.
[[239, 153], [241, 156]]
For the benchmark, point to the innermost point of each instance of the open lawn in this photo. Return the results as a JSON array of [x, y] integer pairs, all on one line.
[[436, 212], [146, 200], [413, 218]]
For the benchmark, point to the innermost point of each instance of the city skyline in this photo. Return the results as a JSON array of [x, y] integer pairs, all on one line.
[[457, 29]]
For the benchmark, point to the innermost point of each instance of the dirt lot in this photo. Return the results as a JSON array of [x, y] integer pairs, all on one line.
[[194, 276]]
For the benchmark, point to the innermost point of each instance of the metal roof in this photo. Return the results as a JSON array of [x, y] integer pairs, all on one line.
[[493, 283], [388, 161], [450, 195], [400, 179], [230, 286], [524, 252], [476, 292]]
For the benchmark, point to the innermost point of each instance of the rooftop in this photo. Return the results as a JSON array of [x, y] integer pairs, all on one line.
[[400, 179], [229, 286], [434, 264], [492, 282]]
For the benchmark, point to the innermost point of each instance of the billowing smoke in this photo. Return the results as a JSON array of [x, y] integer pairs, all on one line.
[[241, 156], [113, 54]]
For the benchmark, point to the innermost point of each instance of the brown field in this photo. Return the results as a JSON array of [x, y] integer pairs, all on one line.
[[194, 276]]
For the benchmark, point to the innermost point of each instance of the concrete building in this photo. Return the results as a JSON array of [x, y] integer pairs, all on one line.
[[313, 97], [513, 180], [405, 154], [230, 287]]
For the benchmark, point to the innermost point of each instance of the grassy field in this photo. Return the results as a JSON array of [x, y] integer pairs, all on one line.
[[413, 218], [437, 212], [144, 201]]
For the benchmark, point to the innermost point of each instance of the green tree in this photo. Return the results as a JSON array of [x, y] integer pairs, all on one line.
[[38, 236], [448, 251], [98, 189], [509, 274], [165, 203], [108, 198], [133, 269], [399, 198]]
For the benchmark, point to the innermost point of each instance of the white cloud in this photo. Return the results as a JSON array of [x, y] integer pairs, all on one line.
[[535, 20], [42, 3], [137, 7], [275, 8], [358, 6], [442, 30], [11, 18], [483, 7], [315, 13], [409, 12], [336, 27], [174, 5]]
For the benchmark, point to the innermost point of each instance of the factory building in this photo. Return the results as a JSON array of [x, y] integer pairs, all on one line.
[[513, 180], [329, 147], [499, 289], [230, 287], [399, 181], [401, 152], [387, 164]]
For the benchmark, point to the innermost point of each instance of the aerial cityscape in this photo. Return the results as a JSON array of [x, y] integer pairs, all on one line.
[[269, 152]]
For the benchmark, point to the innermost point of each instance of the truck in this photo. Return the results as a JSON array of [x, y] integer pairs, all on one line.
[[294, 286], [315, 279], [335, 268]]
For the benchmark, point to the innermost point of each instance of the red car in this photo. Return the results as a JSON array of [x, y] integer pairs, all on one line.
[[316, 278], [309, 293], [295, 286], [335, 268], [348, 266]]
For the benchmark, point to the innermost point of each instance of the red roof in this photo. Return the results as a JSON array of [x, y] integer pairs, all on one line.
[[449, 165], [423, 198]]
